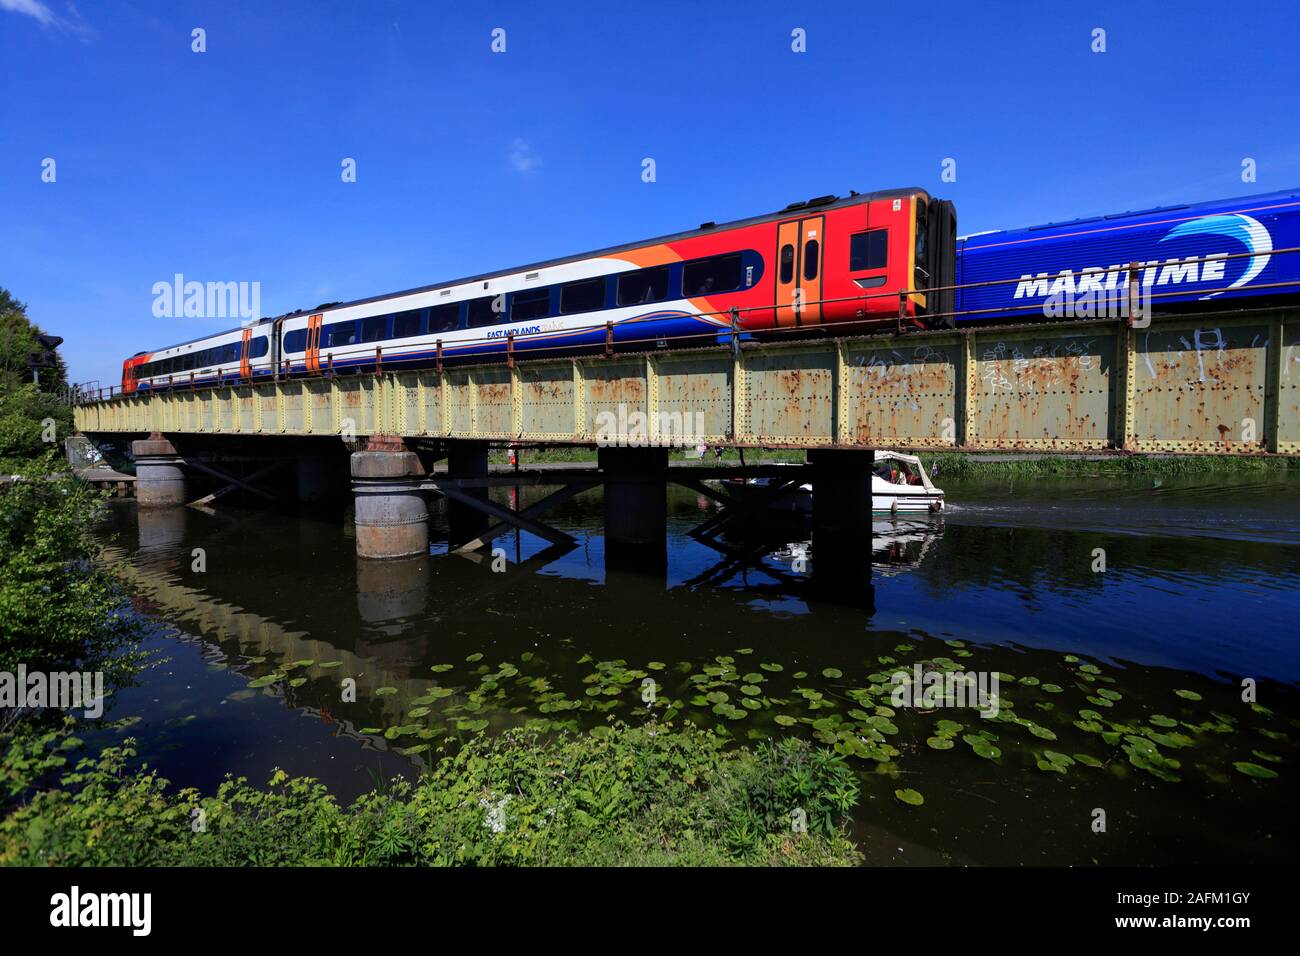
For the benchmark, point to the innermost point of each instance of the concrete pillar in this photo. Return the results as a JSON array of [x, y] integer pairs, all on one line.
[[319, 479], [159, 480], [467, 459], [636, 506], [392, 517]]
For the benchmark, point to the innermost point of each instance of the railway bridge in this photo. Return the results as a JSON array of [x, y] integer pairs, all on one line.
[[1214, 383]]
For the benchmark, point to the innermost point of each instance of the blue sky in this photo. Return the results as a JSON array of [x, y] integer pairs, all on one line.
[[225, 165]]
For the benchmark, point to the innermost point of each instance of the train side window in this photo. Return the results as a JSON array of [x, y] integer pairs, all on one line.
[[228, 354], [295, 341], [530, 304], [261, 345], [374, 328], [811, 259], [787, 263], [714, 275], [342, 333], [444, 318], [481, 313], [869, 250], [643, 286], [408, 323], [585, 296]]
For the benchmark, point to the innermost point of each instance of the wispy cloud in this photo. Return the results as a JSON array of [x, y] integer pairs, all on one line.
[[42, 13], [522, 157], [33, 8]]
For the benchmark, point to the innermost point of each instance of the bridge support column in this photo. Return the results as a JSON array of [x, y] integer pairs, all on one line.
[[392, 517], [841, 527], [841, 505], [467, 459], [159, 480], [636, 504]]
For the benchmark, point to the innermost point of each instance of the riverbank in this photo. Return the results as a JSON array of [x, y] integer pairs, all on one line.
[[970, 464], [652, 795]]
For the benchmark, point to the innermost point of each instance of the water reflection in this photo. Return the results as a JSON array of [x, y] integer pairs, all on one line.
[[391, 595]]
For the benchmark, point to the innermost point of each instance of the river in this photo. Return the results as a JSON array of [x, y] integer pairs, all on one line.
[[1098, 603]]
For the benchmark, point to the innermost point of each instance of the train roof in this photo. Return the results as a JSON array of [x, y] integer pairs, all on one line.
[[1205, 206]]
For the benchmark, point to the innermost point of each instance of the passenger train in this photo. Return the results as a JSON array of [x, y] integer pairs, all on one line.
[[803, 268], [884, 258]]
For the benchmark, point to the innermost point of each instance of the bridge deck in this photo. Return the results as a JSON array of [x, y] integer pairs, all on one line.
[[1225, 383]]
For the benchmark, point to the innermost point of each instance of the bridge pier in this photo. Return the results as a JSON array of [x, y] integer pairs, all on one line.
[[392, 516], [159, 480], [841, 506], [841, 529], [636, 506], [465, 523]]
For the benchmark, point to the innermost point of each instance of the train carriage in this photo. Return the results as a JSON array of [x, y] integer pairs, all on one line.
[[867, 259]]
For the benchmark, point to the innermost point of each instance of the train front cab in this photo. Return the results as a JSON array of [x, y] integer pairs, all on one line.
[[900, 245]]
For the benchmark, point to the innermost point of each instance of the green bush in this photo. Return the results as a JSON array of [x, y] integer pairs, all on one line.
[[58, 611], [651, 795]]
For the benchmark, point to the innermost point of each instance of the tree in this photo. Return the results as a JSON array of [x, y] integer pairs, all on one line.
[[30, 412]]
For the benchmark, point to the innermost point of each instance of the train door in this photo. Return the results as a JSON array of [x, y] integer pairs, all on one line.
[[245, 362], [313, 342], [799, 271]]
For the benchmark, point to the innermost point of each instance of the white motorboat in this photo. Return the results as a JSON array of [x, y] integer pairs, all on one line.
[[899, 485]]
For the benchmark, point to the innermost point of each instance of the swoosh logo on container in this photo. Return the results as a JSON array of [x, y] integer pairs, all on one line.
[[1249, 232]]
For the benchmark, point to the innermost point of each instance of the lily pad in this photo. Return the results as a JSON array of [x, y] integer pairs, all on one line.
[[909, 796], [1255, 770]]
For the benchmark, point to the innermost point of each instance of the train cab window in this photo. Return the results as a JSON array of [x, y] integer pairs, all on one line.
[[480, 312], [342, 333], [869, 250], [712, 276], [787, 263], [530, 304], [295, 341], [585, 296], [643, 286], [407, 324], [444, 318], [374, 328], [812, 254]]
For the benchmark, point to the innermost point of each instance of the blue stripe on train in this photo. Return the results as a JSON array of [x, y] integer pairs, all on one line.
[[643, 332]]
